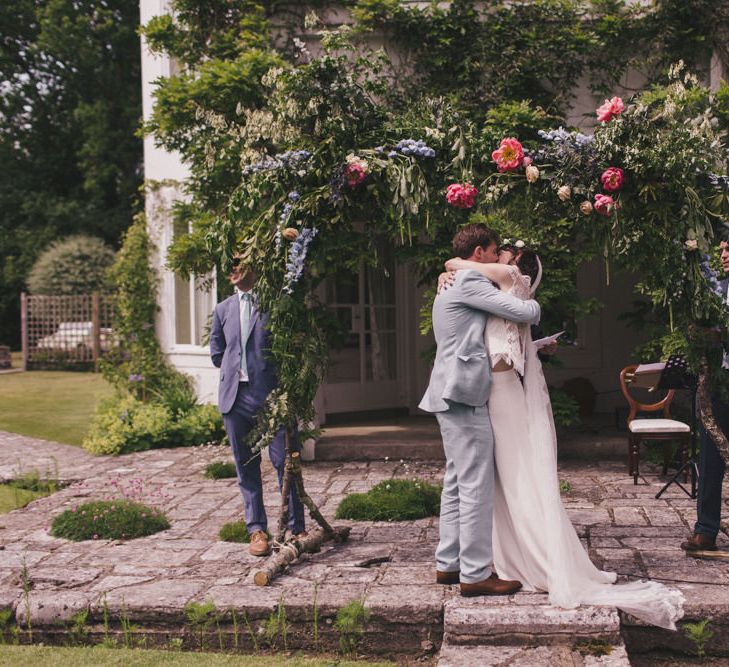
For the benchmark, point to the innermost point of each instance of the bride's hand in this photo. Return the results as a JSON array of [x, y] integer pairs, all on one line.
[[446, 280], [453, 264]]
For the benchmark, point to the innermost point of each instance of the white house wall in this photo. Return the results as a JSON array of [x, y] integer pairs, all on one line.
[[164, 171]]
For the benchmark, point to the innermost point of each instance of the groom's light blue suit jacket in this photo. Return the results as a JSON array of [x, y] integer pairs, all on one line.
[[462, 370]]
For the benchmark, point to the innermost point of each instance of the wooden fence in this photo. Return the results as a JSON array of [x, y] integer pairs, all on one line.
[[65, 331]]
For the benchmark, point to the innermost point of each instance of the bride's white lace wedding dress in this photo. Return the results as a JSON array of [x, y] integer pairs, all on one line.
[[533, 538]]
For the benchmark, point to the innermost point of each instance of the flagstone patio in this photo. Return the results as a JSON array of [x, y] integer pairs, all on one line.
[[149, 581]]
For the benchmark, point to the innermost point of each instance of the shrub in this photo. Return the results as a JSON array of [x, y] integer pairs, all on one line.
[[110, 520], [129, 425], [393, 500], [221, 470], [235, 532], [74, 265], [565, 409]]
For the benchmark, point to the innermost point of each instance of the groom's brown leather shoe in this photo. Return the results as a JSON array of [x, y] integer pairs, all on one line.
[[491, 586], [447, 578], [699, 542]]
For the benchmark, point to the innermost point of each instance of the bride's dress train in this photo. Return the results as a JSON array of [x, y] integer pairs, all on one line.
[[533, 538]]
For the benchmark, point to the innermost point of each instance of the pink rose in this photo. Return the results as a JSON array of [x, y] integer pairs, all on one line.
[[611, 108], [509, 156], [526, 161], [605, 204], [354, 174], [461, 195], [612, 179]]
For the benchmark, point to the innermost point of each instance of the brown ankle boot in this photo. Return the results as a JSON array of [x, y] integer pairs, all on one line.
[[491, 586], [447, 578], [699, 542]]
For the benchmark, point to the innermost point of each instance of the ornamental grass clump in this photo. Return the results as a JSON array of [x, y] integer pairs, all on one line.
[[392, 500], [109, 520], [220, 470]]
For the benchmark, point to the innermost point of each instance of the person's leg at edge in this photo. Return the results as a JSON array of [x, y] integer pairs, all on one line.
[[277, 453], [447, 553], [468, 443], [238, 424], [711, 475]]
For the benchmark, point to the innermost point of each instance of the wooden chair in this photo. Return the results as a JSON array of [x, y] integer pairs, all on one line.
[[651, 429]]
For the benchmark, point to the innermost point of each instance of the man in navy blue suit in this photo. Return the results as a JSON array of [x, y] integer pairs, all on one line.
[[711, 465], [239, 347]]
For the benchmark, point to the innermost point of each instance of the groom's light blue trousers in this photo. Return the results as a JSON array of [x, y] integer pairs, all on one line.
[[467, 501]]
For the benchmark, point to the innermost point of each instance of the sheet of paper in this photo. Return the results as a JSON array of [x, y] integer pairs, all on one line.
[[548, 340]]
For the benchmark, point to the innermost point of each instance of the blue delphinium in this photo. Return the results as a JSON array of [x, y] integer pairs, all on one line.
[[297, 258], [562, 136], [294, 196], [287, 160], [712, 278], [416, 148]]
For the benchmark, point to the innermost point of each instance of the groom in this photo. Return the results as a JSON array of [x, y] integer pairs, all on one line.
[[458, 394]]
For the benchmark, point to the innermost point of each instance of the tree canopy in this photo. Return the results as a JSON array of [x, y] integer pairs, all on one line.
[[70, 106]]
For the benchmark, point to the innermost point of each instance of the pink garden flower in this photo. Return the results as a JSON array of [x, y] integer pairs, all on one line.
[[461, 195], [605, 204], [612, 108], [354, 174], [509, 156], [612, 179]]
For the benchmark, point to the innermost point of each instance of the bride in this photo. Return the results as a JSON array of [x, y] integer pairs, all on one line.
[[533, 538]]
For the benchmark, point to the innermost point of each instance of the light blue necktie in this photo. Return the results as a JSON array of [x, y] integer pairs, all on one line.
[[245, 325]]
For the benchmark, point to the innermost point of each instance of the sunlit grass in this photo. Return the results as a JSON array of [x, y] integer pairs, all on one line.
[[53, 405]]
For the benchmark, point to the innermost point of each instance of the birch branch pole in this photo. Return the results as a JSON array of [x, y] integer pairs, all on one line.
[[289, 551]]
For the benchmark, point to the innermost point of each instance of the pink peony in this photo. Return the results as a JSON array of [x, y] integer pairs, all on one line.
[[612, 108], [612, 179], [509, 156], [605, 204], [356, 170], [461, 195]]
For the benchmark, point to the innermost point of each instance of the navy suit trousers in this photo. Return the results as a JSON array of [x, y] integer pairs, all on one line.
[[238, 424], [711, 475]]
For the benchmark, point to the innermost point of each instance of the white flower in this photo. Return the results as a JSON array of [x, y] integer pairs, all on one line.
[[532, 173], [586, 207], [520, 244], [691, 244], [564, 192]]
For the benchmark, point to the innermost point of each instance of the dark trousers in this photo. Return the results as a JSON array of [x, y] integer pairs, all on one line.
[[238, 424], [711, 475]]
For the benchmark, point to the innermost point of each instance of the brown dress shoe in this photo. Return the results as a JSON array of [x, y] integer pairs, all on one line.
[[447, 578], [259, 544], [491, 586], [699, 542]]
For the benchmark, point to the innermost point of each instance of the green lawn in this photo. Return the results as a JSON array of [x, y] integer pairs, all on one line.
[[54, 405], [51, 656], [11, 497]]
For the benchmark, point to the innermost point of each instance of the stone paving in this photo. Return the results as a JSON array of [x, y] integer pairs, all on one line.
[[389, 566]]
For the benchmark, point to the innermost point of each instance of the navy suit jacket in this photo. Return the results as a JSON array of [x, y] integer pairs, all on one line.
[[225, 337]]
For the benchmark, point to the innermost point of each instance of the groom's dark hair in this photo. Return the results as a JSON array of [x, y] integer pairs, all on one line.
[[471, 237]]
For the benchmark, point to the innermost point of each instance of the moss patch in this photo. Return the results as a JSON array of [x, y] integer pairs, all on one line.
[[392, 500], [220, 470], [108, 520]]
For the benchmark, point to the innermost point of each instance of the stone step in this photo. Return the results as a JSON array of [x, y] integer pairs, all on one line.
[[526, 619], [520, 656]]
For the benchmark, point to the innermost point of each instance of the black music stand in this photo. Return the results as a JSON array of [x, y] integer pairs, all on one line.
[[676, 376]]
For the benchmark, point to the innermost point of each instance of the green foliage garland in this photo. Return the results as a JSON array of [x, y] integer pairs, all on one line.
[[311, 175]]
